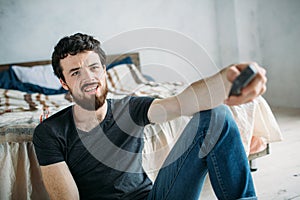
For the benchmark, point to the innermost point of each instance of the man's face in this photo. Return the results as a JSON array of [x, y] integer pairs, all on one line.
[[85, 78]]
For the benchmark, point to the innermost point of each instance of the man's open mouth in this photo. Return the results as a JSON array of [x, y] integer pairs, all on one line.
[[90, 87]]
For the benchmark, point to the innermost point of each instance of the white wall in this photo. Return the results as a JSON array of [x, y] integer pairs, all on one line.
[[279, 30], [265, 31], [193, 35], [30, 29]]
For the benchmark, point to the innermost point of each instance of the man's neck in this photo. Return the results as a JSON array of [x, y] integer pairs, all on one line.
[[86, 120]]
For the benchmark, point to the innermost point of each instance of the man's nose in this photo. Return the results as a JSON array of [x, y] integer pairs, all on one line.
[[87, 73]]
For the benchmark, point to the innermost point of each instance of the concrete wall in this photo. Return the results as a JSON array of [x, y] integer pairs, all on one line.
[[279, 33], [265, 31], [188, 39], [30, 29]]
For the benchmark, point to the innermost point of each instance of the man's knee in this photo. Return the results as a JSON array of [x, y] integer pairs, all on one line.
[[221, 117], [220, 125], [218, 115]]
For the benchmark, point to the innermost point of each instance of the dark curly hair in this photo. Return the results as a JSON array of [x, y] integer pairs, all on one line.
[[71, 45]]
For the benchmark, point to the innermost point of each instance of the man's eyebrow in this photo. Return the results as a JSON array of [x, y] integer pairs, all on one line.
[[93, 64], [74, 69], [77, 68]]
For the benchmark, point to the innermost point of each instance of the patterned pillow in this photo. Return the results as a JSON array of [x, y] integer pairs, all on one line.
[[126, 79]]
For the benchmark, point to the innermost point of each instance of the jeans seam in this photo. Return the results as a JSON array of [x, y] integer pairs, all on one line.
[[218, 175], [179, 168]]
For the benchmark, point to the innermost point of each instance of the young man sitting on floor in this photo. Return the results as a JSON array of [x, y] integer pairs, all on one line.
[[93, 149]]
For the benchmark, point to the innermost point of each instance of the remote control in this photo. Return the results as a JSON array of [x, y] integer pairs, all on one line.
[[242, 80]]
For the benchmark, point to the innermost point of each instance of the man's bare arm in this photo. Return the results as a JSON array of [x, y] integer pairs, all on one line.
[[206, 94], [59, 182]]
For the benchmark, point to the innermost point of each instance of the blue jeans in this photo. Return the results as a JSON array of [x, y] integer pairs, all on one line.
[[210, 143]]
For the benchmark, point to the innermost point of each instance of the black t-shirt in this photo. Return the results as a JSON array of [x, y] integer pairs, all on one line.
[[106, 162]]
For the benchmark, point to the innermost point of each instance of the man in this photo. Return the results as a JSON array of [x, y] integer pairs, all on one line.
[[92, 150]]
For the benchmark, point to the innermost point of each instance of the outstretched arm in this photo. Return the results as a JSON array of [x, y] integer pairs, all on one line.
[[208, 93]]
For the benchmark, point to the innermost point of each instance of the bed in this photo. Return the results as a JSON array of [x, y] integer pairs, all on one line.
[[22, 109]]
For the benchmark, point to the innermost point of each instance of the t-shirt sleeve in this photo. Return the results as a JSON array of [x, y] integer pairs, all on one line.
[[139, 107], [47, 145]]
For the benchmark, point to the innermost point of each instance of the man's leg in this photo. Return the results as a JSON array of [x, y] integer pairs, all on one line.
[[210, 143]]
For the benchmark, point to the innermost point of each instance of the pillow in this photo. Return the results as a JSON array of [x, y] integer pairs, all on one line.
[[126, 60], [9, 80], [41, 75], [124, 78]]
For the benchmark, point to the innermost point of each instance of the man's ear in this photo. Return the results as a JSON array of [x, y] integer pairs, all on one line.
[[63, 84]]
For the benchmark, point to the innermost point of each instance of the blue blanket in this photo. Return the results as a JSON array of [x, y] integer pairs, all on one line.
[[9, 80]]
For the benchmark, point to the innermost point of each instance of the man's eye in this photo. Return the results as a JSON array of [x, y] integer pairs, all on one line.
[[75, 73], [95, 67]]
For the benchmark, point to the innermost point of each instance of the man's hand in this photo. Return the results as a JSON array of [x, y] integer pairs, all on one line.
[[255, 88]]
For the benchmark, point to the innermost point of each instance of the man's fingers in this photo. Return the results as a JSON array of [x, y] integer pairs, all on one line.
[[232, 73], [236, 100], [255, 88], [235, 69], [258, 85]]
